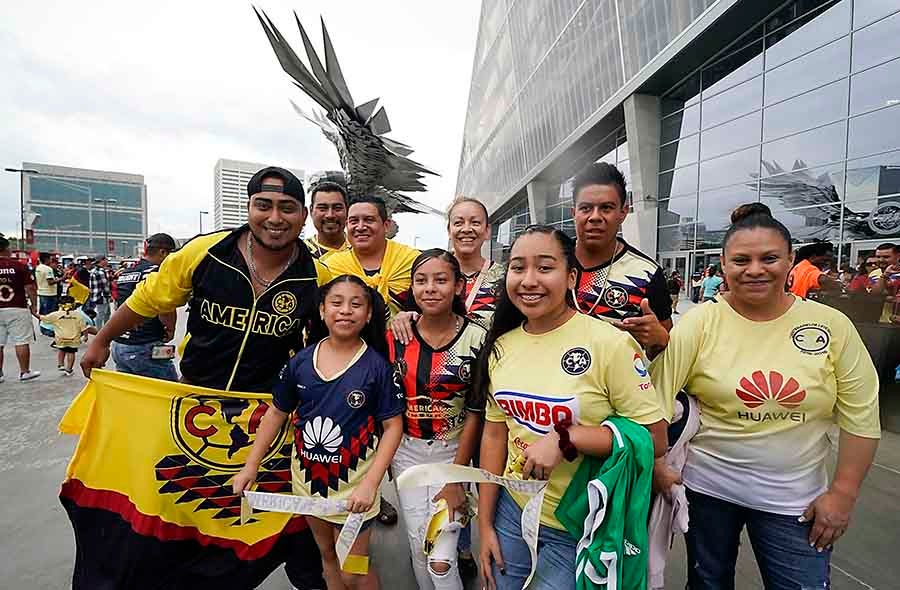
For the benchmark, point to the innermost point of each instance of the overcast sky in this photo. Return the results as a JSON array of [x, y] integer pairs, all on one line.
[[165, 88]]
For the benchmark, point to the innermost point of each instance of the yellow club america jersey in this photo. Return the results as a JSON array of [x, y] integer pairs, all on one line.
[[614, 290], [320, 251], [768, 392], [584, 371]]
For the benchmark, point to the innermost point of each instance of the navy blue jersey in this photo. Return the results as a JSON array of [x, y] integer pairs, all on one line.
[[336, 419]]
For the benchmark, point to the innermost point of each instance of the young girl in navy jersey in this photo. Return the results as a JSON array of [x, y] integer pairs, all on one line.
[[343, 392], [441, 423]]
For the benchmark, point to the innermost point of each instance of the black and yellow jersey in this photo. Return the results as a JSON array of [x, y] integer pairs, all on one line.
[[321, 252], [235, 340]]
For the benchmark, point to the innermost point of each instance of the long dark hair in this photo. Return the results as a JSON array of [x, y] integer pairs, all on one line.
[[459, 307], [507, 316], [374, 330]]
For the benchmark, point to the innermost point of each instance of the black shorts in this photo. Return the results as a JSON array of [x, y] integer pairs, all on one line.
[[71, 349]]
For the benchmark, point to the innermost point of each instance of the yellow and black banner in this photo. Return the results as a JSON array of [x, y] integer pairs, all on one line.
[[148, 489]]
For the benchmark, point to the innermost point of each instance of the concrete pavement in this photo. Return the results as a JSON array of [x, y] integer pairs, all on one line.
[[37, 546]]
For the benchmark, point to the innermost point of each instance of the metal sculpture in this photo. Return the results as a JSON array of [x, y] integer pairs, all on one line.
[[373, 163]]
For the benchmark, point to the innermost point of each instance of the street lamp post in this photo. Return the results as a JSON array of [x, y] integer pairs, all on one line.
[[21, 172], [106, 204], [202, 213]]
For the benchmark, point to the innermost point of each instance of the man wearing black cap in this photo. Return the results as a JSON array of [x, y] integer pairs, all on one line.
[[252, 292], [142, 351]]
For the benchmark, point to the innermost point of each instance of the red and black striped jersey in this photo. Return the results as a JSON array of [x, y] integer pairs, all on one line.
[[484, 303], [436, 382], [614, 290]]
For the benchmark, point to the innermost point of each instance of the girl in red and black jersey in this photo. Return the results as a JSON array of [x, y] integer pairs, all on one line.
[[441, 423]]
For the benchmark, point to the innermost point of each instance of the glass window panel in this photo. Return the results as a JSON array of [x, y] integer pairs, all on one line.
[[806, 111], [681, 210], [731, 137], [875, 132], [733, 69], [872, 220], [811, 223], [57, 217], [803, 188], [715, 206], [680, 124], [807, 33], [622, 151], [679, 237], [686, 94], [868, 11], [791, 11], [742, 166], [81, 191], [679, 153], [678, 182], [876, 43], [871, 179], [733, 103], [875, 88], [812, 148], [808, 72]]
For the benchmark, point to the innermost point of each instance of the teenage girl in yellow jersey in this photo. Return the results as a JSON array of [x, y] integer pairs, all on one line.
[[553, 374], [771, 372]]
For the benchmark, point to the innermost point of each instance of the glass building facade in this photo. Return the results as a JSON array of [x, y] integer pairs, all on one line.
[[797, 106], [79, 208]]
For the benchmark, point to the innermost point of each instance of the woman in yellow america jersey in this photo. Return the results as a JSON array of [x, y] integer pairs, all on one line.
[[553, 375], [771, 373]]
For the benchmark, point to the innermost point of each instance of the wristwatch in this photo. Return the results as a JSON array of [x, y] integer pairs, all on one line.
[[569, 452]]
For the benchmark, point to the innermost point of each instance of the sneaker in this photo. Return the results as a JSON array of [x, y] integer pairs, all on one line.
[[67, 372], [2, 378], [28, 376], [61, 368]]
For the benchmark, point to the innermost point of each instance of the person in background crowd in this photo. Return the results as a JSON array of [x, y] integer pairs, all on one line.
[[141, 351], [860, 281], [69, 327], [261, 266], [101, 295], [328, 210], [884, 280], [343, 388], [809, 270], [46, 280], [540, 347], [674, 284], [442, 423], [18, 302], [711, 284], [696, 284], [614, 279], [771, 372]]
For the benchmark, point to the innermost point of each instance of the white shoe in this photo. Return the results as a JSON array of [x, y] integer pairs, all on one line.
[[29, 375], [61, 368], [2, 378], [67, 372]]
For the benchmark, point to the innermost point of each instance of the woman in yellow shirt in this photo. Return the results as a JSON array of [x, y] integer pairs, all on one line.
[[554, 375], [771, 372]]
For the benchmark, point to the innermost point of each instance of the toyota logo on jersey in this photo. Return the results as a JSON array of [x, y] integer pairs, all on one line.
[[536, 412]]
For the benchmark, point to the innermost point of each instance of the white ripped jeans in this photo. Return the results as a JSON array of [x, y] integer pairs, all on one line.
[[417, 508]]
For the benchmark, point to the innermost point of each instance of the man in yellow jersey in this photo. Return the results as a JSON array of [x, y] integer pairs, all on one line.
[[328, 211], [252, 291], [384, 265], [616, 282]]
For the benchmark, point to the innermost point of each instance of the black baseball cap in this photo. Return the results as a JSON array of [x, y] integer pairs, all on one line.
[[292, 185], [162, 241]]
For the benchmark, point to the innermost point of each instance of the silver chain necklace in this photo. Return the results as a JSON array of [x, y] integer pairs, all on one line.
[[252, 266]]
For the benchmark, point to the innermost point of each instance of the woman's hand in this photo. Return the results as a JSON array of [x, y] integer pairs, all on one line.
[[401, 325], [362, 498], [245, 478], [454, 494], [830, 515], [542, 457], [664, 477], [488, 553]]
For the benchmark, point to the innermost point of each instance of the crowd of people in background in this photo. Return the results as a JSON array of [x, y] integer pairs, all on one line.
[[562, 365]]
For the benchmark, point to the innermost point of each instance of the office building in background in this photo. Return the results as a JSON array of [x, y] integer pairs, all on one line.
[[703, 104], [70, 208], [230, 200]]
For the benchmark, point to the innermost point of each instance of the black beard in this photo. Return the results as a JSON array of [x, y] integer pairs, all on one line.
[[257, 239]]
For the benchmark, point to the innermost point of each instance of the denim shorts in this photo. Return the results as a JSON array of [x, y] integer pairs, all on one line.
[[135, 359], [555, 552]]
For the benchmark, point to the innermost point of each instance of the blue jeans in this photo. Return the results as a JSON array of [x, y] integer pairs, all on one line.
[[555, 552], [136, 360], [780, 544]]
